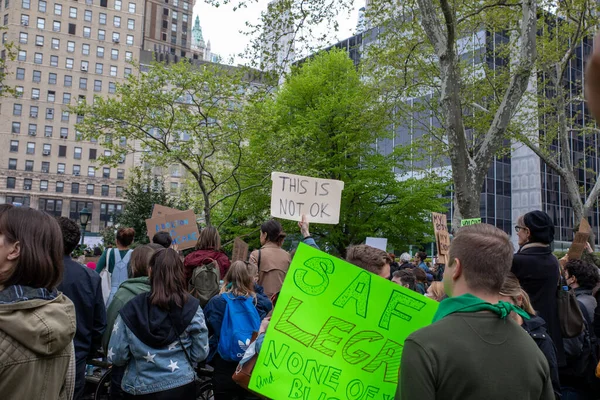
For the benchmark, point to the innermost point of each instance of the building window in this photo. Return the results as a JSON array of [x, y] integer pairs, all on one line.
[[64, 117], [37, 76], [92, 154], [99, 68], [48, 130], [60, 168], [76, 170], [108, 212], [51, 96], [20, 74], [14, 146], [54, 61], [71, 46], [62, 150], [18, 200], [69, 63], [77, 206], [25, 4], [55, 43], [87, 32], [173, 27], [27, 183], [56, 26], [12, 163], [57, 9], [131, 24], [32, 130], [87, 15], [117, 21], [19, 91], [68, 81], [38, 58], [23, 37], [174, 15], [77, 153], [64, 133], [97, 86], [60, 187], [50, 113], [113, 70], [92, 172], [43, 186], [85, 65], [33, 111], [114, 54], [130, 40], [101, 34], [118, 5], [47, 149], [165, 11], [72, 29], [29, 165], [104, 190], [66, 98], [22, 55], [119, 191], [30, 148], [100, 51], [72, 12], [89, 189], [74, 188], [52, 78], [51, 206], [83, 83], [132, 8], [128, 56], [16, 127], [39, 40], [11, 182], [106, 172], [85, 49], [42, 6], [45, 167], [112, 87], [127, 72], [35, 94], [41, 23], [17, 109], [102, 19]]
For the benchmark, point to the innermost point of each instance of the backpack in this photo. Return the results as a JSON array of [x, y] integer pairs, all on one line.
[[240, 321], [205, 282]]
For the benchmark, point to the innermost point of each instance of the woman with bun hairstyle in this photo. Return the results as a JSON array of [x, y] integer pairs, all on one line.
[[117, 260], [273, 262], [538, 271]]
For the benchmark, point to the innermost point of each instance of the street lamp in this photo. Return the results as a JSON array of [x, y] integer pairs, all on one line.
[[84, 218]]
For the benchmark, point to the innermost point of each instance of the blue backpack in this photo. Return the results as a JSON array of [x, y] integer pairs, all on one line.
[[239, 322]]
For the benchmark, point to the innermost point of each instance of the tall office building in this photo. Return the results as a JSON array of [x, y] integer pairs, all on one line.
[[168, 26], [67, 52]]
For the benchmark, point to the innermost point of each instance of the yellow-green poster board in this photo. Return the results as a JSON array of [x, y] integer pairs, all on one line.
[[469, 222], [337, 332]]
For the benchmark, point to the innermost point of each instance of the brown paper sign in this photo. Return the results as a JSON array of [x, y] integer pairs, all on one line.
[[240, 250], [159, 211], [181, 225], [442, 237], [579, 243]]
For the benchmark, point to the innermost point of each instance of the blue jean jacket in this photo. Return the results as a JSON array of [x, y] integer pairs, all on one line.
[[152, 370]]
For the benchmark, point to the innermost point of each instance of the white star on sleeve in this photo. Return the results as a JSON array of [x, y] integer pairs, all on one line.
[[173, 366], [116, 327], [110, 354], [172, 345], [150, 358]]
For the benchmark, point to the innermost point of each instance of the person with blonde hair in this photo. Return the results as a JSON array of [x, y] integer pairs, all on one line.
[[535, 326], [436, 291], [222, 312]]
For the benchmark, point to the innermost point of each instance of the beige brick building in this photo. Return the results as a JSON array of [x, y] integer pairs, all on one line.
[[71, 51]]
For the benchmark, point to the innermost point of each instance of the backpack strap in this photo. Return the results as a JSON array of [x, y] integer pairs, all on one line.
[[258, 266]]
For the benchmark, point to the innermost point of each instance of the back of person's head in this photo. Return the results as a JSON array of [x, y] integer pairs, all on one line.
[[34, 249], [368, 258], [167, 279], [420, 275], [4, 207], [125, 236], [540, 225], [140, 260], [71, 233], [405, 258], [406, 278], [209, 239], [238, 280], [485, 254], [155, 246], [274, 231], [436, 291], [162, 238], [97, 251], [512, 290], [422, 256], [585, 273]]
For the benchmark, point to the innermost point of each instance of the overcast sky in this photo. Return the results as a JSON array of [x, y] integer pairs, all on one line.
[[222, 25]]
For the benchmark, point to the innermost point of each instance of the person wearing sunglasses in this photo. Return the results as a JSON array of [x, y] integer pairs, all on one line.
[[538, 271]]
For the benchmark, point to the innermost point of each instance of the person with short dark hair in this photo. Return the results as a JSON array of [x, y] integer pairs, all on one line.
[[421, 278], [470, 351], [273, 262], [370, 259], [37, 322], [163, 238], [537, 270], [406, 278], [83, 287], [117, 260]]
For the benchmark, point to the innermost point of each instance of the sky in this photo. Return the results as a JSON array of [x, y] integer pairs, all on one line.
[[222, 25]]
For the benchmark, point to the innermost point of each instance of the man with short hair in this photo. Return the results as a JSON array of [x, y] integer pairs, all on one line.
[[406, 278], [472, 351], [370, 259], [82, 286], [162, 238]]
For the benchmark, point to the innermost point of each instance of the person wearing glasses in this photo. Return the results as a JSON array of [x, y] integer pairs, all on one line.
[[538, 271]]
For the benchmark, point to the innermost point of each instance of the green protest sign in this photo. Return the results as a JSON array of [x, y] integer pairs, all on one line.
[[472, 221], [337, 332]]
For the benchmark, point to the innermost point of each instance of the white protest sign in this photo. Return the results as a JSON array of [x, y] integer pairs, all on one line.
[[378, 243], [294, 195]]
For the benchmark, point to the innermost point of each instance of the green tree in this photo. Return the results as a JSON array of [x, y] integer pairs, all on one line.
[[325, 122], [141, 193], [179, 114]]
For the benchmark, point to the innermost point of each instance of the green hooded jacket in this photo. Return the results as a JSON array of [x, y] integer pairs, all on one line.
[[127, 291]]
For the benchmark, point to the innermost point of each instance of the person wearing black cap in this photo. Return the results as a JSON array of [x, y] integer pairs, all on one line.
[[538, 271]]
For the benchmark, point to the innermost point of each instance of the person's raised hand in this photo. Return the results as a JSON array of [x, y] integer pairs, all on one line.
[[303, 225]]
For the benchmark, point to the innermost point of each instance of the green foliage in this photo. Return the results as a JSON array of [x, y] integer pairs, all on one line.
[[109, 236], [141, 193], [325, 122]]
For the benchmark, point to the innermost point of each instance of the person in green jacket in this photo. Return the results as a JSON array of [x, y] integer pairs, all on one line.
[[138, 283], [472, 350]]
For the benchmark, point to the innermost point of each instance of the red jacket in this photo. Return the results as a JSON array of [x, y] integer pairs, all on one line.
[[203, 257]]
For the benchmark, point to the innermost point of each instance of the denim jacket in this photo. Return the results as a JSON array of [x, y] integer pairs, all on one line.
[[152, 370]]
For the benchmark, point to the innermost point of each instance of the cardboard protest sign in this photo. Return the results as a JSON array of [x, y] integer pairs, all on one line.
[[442, 237], [472, 221], [378, 243], [295, 195], [240, 250], [581, 237], [181, 226], [337, 332], [159, 211]]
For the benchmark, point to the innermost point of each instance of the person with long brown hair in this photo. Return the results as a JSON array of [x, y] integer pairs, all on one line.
[[208, 248], [273, 262], [160, 335], [37, 322], [237, 294]]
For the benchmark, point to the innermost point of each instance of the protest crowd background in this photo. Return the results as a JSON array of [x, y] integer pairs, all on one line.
[[479, 320]]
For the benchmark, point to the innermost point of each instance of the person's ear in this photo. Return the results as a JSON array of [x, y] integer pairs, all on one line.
[[14, 252], [457, 269], [519, 301]]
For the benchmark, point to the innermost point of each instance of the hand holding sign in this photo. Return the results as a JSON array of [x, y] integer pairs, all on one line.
[[294, 195]]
